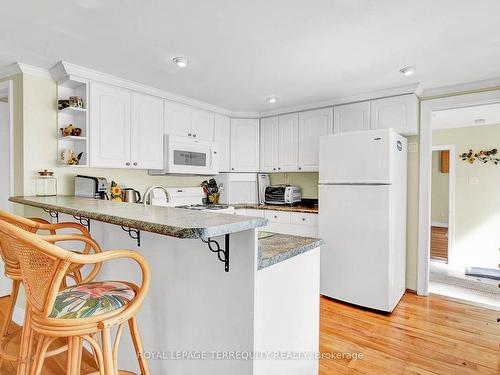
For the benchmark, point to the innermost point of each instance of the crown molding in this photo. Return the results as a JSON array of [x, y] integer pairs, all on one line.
[[21, 68], [64, 70], [462, 88], [415, 89]]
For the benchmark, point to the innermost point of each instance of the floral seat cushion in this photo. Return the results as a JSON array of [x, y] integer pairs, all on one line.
[[91, 299]]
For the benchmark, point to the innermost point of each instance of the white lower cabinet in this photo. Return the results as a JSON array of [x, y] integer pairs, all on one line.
[[294, 223]]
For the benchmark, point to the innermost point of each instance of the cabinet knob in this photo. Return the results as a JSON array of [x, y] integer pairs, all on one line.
[[275, 216], [303, 219], [189, 134], [135, 163], [232, 169], [194, 135], [300, 168], [127, 163], [279, 169]]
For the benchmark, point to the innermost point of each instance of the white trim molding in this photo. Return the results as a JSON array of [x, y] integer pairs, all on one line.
[[19, 67], [64, 71], [463, 88], [424, 211], [415, 89]]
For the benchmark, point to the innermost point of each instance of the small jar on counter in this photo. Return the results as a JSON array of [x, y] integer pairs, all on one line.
[[46, 184]]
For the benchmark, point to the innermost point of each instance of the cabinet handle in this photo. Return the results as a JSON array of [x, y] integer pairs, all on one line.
[[127, 163], [135, 163], [189, 134]]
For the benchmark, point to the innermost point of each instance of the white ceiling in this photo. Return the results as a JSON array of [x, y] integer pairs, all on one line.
[[243, 51], [465, 117]]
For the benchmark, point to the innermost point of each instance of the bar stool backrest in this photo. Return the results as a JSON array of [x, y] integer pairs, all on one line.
[[43, 265]]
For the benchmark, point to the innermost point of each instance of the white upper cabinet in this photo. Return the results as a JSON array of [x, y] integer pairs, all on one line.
[[244, 145], [269, 134], [288, 151], [202, 125], [398, 112], [312, 125], [177, 119], [109, 126], [223, 140], [186, 121], [146, 132], [351, 117]]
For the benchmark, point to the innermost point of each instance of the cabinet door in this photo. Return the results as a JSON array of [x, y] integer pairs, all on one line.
[[398, 112], [312, 125], [269, 144], [177, 119], [351, 117], [109, 126], [202, 125], [146, 141], [223, 140], [244, 145], [288, 142]]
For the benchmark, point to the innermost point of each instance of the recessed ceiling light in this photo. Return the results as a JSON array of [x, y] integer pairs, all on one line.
[[272, 99], [408, 70], [480, 121], [181, 62]]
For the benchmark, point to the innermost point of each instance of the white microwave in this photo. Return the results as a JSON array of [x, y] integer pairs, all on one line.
[[184, 155]]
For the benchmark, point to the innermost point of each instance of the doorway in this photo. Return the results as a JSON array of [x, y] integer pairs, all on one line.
[[465, 204], [6, 177]]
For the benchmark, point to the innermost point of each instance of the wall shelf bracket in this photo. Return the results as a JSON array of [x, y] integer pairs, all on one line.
[[84, 221], [135, 234], [222, 254], [52, 214]]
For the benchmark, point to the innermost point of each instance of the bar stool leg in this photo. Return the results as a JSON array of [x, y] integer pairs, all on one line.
[[4, 332], [107, 351], [139, 348], [26, 340], [73, 364], [41, 351]]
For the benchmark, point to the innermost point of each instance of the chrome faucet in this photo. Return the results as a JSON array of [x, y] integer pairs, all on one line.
[[147, 194]]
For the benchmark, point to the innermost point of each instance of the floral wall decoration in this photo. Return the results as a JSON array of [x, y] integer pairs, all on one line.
[[483, 156]]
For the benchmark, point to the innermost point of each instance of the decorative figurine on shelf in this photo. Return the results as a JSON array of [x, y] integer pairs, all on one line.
[[63, 103], [75, 101], [116, 192], [71, 130], [484, 156], [75, 160]]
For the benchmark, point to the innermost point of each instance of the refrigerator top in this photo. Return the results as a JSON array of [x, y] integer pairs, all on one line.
[[364, 157]]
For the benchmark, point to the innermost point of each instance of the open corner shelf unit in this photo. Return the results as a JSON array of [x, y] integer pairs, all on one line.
[[76, 116]]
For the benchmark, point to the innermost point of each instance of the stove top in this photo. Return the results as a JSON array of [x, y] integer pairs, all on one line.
[[208, 207]]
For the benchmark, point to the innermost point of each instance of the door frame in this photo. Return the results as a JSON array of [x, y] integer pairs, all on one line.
[[7, 86], [451, 195], [428, 106]]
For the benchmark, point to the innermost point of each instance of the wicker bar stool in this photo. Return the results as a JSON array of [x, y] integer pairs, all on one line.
[[78, 312], [12, 270]]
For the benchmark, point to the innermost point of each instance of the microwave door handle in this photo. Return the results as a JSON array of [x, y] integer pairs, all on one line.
[[212, 157]]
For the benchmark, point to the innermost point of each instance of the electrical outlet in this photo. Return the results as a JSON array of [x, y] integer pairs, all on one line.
[[412, 147]]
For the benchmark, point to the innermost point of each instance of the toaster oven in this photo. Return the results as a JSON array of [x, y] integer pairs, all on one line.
[[282, 194]]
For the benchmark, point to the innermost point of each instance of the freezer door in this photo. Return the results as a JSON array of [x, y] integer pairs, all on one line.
[[356, 157], [354, 222]]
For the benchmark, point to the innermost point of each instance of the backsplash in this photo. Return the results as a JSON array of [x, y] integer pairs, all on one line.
[[308, 182]]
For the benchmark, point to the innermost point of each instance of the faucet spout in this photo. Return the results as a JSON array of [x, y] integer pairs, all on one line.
[[147, 194]]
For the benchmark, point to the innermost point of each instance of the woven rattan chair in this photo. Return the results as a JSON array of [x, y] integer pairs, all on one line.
[[78, 312], [13, 271]]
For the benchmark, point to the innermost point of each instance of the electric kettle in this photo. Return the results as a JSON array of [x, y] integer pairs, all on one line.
[[131, 195]]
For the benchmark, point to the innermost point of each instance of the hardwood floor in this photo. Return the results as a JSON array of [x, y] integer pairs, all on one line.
[[422, 336]]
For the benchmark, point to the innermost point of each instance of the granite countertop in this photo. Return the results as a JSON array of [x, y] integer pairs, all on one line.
[[174, 222], [275, 248], [278, 207]]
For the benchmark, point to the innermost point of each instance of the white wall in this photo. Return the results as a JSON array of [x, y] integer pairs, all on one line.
[[4, 155], [477, 206]]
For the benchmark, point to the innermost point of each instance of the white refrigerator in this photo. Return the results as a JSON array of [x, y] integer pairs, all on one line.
[[362, 217]]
